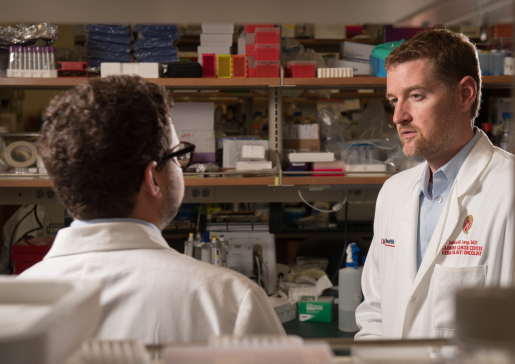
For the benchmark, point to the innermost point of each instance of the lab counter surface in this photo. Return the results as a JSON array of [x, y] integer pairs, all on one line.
[[316, 330]]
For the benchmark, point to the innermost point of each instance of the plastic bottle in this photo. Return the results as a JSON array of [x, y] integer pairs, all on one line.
[[51, 58], [215, 251], [12, 57], [487, 128], [205, 254], [350, 295], [188, 245], [505, 136], [224, 249]]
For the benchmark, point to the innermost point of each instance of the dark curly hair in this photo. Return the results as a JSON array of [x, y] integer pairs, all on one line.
[[98, 139], [451, 55]]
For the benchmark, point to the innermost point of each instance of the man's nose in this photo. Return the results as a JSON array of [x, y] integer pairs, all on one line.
[[401, 113]]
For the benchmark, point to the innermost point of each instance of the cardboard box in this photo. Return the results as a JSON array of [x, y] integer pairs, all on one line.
[[302, 145], [316, 311], [356, 50], [330, 31], [193, 116], [304, 131]]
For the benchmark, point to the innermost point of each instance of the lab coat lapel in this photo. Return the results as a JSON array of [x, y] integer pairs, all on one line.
[[470, 172], [408, 221]]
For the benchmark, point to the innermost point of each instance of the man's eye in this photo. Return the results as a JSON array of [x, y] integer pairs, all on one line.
[[393, 102], [416, 96]]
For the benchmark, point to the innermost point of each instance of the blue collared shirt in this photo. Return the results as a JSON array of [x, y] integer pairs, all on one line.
[[76, 223], [433, 196]]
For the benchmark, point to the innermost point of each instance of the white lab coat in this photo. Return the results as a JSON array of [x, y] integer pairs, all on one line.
[[403, 303], [151, 291]]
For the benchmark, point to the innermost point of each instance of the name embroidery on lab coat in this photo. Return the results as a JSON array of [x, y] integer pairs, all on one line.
[[388, 242], [462, 247]]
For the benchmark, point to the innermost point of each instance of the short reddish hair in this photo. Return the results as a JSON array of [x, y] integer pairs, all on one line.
[[452, 56]]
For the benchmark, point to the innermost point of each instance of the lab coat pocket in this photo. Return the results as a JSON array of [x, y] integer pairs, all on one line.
[[448, 280]]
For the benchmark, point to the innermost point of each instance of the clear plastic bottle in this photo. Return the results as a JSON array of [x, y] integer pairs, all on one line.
[[46, 59], [224, 251], [188, 245], [215, 251], [12, 57], [349, 290], [37, 58], [30, 59], [505, 136], [205, 254], [21, 60], [51, 58]]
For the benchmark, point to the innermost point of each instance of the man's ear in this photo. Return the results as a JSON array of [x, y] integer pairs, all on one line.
[[150, 183], [468, 93]]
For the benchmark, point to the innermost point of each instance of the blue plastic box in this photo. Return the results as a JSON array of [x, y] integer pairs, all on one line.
[[377, 67]]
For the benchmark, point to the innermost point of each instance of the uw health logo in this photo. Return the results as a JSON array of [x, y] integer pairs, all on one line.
[[388, 242]]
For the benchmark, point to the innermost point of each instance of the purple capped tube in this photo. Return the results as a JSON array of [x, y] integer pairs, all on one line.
[[52, 58]]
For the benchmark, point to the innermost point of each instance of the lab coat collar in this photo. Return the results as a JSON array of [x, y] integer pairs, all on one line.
[[105, 237]]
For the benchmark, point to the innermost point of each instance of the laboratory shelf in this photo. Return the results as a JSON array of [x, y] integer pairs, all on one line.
[[177, 83], [231, 181], [238, 83], [367, 82], [21, 182], [335, 180]]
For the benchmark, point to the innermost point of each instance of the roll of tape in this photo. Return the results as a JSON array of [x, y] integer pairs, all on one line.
[[26, 149]]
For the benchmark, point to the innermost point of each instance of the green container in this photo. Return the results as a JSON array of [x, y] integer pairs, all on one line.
[[316, 311]]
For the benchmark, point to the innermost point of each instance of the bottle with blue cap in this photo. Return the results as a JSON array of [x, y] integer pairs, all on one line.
[[205, 253], [350, 295]]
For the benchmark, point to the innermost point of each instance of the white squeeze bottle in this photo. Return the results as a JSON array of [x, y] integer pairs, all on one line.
[[349, 290], [188, 245], [215, 251], [224, 251]]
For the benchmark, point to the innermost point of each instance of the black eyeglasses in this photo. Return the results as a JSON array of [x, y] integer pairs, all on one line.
[[183, 152]]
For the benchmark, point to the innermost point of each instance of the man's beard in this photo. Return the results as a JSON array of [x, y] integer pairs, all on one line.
[[431, 144], [172, 203]]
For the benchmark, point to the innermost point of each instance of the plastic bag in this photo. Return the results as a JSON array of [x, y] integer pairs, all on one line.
[[155, 52], [152, 43], [108, 47], [109, 28], [23, 221], [153, 27], [110, 38], [331, 134], [373, 124], [28, 34]]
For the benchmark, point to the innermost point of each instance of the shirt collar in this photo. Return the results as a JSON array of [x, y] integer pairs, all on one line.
[[451, 169], [77, 223]]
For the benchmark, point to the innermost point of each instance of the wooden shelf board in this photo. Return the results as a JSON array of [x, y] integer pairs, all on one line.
[[36, 182], [236, 83], [228, 181], [245, 83], [335, 180]]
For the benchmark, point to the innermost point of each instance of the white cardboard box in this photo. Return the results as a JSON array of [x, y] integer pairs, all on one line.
[[330, 31], [359, 67], [215, 39], [304, 131], [356, 50], [218, 28], [193, 115], [204, 140]]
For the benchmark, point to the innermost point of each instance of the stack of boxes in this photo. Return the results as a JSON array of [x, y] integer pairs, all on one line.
[[216, 39], [263, 50], [155, 43], [108, 43], [355, 56]]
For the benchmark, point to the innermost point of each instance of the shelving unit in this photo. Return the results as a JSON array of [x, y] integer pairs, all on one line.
[[270, 188]]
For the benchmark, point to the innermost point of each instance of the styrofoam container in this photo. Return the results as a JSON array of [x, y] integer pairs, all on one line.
[[45, 321]]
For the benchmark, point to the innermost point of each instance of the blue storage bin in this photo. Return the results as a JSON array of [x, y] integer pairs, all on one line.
[[377, 67]]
